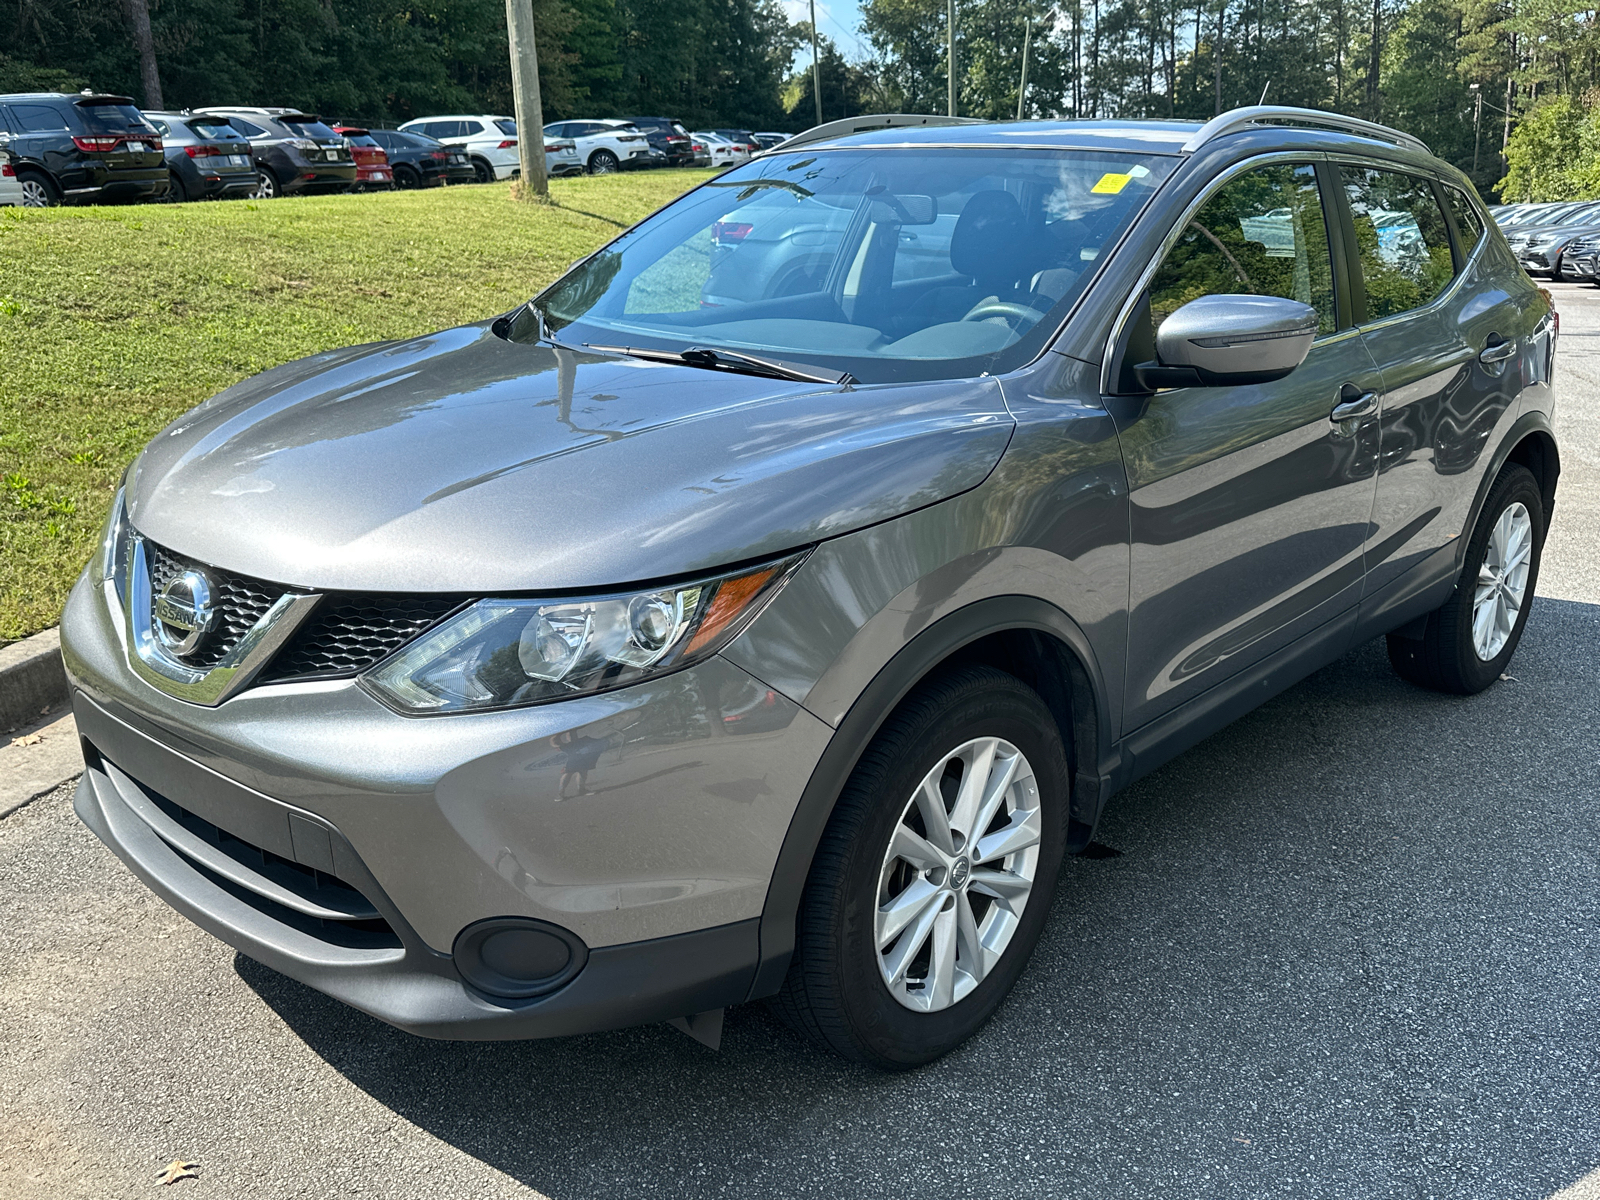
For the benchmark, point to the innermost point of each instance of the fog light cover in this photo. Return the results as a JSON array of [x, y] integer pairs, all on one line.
[[518, 957]]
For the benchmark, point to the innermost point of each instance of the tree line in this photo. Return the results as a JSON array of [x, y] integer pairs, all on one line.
[[1503, 88]]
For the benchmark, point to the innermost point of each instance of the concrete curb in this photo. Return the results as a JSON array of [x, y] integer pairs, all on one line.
[[31, 678]]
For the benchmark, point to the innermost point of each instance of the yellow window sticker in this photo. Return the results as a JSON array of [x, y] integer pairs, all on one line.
[[1110, 184]]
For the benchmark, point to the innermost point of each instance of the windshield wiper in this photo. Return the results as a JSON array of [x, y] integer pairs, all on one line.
[[730, 360]]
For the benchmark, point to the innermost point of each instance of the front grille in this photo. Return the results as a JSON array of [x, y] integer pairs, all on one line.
[[348, 634], [240, 601]]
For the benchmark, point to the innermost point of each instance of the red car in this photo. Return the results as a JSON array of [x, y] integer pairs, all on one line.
[[372, 161]]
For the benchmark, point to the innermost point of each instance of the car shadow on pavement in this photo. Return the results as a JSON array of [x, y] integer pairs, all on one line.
[[1349, 947]]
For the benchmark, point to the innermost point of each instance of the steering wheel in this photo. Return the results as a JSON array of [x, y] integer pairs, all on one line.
[[1002, 308]]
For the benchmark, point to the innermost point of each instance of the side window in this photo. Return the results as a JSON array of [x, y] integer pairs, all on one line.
[[1468, 223], [469, 128], [248, 128], [1261, 234], [38, 118], [1401, 237]]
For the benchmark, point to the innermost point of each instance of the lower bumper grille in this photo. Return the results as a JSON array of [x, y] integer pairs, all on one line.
[[313, 902]]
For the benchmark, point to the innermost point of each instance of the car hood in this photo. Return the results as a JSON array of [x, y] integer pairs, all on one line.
[[462, 462]]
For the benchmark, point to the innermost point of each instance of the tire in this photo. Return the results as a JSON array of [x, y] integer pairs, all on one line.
[[405, 178], [1467, 643], [37, 190], [176, 192], [483, 170], [267, 186], [603, 162], [886, 1007]]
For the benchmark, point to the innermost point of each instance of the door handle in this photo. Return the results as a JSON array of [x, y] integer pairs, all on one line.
[[1353, 407], [1497, 351]]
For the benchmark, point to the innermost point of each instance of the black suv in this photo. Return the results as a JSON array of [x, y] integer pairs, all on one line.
[[207, 157], [83, 148], [669, 137], [295, 152], [422, 161]]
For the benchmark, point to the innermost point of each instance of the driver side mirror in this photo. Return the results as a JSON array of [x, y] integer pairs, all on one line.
[[1221, 340]]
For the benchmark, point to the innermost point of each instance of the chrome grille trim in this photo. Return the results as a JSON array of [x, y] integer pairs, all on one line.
[[203, 683]]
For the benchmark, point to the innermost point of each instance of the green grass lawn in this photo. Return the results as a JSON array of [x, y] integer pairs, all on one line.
[[115, 320]]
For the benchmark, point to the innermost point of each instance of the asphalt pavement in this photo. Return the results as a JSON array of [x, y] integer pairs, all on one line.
[[1348, 947]]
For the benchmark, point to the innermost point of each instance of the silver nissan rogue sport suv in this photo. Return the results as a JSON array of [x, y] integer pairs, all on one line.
[[766, 607]]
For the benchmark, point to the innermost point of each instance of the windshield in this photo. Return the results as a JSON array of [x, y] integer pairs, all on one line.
[[310, 129], [891, 265]]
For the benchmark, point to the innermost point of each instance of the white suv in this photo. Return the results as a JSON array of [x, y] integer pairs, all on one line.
[[490, 142], [604, 146]]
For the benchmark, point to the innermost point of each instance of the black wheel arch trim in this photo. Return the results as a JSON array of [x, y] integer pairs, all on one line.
[[1532, 424], [1081, 704]]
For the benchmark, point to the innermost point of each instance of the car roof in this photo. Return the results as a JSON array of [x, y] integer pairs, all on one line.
[[461, 117], [1266, 127]]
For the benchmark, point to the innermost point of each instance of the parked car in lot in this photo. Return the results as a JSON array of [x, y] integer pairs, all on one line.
[[11, 193], [794, 668], [295, 152], [702, 151], [720, 151], [740, 137], [1539, 244], [1579, 260], [86, 148], [489, 141], [769, 140], [207, 158], [668, 137], [603, 146], [420, 161], [373, 172]]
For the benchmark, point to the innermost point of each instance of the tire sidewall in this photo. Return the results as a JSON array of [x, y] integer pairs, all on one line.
[[890, 1033], [603, 162], [1515, 486]]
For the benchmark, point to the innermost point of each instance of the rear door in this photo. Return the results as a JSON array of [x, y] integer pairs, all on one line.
[[44, 134], [1448, 339], [1248, 505]]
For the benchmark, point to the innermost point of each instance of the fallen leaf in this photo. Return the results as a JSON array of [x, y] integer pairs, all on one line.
[[1242, 1141], [29, 739], [178, 1169], [1508, 678]]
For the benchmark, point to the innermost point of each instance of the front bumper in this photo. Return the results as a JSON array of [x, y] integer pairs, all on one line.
[[646, 822]]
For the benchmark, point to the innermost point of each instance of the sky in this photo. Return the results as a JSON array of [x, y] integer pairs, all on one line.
[[837, 20]]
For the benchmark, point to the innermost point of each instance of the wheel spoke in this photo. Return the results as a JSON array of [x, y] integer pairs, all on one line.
[[915, 850], [905, 908], [974, 785], [1003, 774], [934, 819], [899, 959], [1482, 623], [968, 946], [1018, 835], [1008, 889], [942, 963]]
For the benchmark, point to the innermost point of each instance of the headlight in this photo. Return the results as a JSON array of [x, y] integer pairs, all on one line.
[[111, 560], [507, 653]]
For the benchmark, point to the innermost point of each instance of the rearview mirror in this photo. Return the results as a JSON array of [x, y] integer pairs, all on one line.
[[1219, 340], [911, 209]]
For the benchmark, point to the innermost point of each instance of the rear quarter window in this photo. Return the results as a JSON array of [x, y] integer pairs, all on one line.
[[506, 126]]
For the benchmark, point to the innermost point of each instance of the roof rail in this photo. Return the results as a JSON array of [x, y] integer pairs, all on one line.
[[867, 124], [1271, 114]]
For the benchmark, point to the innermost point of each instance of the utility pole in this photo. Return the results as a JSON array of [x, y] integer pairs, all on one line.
[[816, 63], [1477, 126], [1022, 88], [951, 58], [525, 91]]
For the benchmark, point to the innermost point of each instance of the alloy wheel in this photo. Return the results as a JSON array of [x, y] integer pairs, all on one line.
[[35, 194], [1502, 581], [266, 186], [957, 874]]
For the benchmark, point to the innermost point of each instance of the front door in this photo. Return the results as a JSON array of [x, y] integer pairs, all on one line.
[[1249, 506]]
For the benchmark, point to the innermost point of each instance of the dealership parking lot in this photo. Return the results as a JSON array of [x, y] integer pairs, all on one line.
[[1347, 947]]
